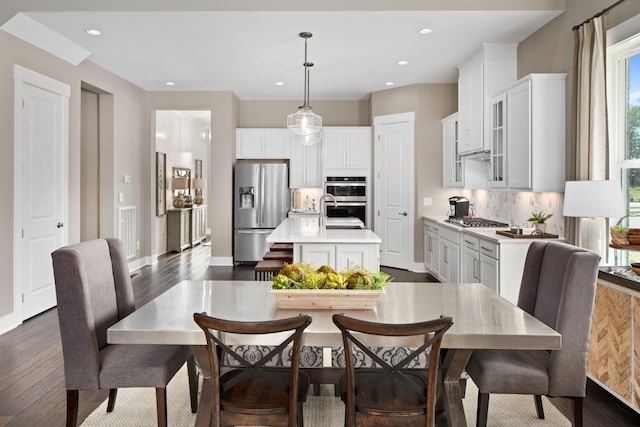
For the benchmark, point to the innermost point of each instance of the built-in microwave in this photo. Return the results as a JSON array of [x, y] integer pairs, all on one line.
[[347, 188]]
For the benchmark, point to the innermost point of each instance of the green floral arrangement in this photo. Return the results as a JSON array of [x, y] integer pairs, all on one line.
[[305, 276], [539, 217]]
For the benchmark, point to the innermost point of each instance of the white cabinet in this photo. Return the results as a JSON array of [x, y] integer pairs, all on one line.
[[340, 256], [305, 165], [498, 156], [198, 224], [486, 73], [353, 255], [470, 263], [451, 160], [346, 151], [536, 133], [471, 105], [449, 255], [431, 258], [263, 143], [318, 254], [178, 229], [490, 264]]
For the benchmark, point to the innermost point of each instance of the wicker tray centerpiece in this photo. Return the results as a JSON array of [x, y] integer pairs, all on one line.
[[303, 286]]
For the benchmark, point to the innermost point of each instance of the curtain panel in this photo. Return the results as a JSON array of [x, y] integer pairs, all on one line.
[[591, 140]]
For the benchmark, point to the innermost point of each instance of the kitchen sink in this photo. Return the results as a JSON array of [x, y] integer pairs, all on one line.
[[343, 227], [348, 223]]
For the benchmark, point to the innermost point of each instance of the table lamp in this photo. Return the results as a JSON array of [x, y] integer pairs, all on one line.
[[198, 185], [594, 200], [179, 184]]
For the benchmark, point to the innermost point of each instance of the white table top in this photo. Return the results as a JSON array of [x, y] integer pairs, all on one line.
[[307, 230], [482, 319]]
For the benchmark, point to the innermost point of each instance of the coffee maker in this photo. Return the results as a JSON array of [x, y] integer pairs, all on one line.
[[458, 207]]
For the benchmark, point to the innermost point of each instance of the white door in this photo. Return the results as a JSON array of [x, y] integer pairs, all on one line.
[[394, 211], [40, 178]]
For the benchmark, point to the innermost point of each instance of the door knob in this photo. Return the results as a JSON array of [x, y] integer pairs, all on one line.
[[60, 225], [403, 213]]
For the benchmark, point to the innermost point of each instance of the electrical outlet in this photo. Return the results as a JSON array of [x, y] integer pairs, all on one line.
[[426, 201], [121, 197]]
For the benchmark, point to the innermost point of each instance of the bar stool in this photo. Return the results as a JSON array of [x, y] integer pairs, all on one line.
[[279, 255], [281, 247], [267, 269]]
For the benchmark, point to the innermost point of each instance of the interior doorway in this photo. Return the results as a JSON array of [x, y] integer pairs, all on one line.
[[394, 188], [40, 187]]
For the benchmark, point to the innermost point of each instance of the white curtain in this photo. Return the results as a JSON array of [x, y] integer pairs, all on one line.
[[591, 140]]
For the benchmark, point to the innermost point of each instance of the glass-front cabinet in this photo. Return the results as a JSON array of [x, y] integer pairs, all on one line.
[[452, 161], [498, 142]]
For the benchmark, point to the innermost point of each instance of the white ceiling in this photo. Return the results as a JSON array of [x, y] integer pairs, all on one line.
[[247, 52]]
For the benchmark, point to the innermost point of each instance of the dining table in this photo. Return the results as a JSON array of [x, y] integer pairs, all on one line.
[[482, 319]]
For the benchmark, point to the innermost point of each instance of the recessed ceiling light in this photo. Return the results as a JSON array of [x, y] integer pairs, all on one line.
[[425, 31], [93, 32], [403, 62], [279, 83], [170, 83], [389, 83]]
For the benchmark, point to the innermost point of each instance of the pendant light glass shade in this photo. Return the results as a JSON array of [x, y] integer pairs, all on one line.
[[310, 139], [305, 122]]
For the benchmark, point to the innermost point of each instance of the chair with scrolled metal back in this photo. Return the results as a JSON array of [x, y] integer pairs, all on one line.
[[390, 393], [253, 393]]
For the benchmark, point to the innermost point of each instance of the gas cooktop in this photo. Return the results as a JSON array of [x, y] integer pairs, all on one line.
[[476, 222]]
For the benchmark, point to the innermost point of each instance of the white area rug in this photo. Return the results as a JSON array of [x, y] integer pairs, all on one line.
[[136, 407]]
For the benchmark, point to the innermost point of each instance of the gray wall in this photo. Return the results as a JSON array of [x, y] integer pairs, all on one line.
[[125, 148]]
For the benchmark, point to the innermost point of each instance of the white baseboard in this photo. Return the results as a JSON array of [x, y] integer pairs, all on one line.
[[418, 267], [137, 264], [222, 261], [9, 322]]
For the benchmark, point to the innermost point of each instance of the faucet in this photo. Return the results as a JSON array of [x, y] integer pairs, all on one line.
[[323, 210]]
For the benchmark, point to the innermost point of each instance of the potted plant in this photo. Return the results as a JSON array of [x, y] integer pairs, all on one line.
[[619, 234], [538, 219]]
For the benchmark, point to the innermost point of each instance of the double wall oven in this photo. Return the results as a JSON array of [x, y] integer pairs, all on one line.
[[351, 197]]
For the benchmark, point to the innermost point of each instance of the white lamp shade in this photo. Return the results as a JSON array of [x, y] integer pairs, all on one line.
[[178, 183], [198, 183], [593, 199], [304, 121]]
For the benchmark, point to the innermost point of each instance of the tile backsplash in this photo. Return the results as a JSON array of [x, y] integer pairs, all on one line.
[[515, 207]]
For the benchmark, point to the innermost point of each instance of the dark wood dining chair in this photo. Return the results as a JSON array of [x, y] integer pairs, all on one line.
[[94, 291], [390, 394], [558, 287], [252, 393]]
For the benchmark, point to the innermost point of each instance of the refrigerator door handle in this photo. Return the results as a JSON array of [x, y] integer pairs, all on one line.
[[254, 231], [262, 195]]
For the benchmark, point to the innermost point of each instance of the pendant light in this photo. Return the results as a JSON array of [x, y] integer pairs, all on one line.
[[305, 122]]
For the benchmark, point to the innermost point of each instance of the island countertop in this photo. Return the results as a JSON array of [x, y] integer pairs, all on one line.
[[308, 230]]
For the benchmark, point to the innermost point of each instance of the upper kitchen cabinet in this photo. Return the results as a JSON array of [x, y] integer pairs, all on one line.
[[305, 165], [451, 160], [347, 151], [257, 143], [498, 158], [536, 133], [486, 73]]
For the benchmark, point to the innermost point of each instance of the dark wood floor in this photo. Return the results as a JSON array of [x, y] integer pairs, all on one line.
[[31, 371]]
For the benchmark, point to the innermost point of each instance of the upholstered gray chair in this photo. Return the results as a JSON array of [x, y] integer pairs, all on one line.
[[94, 291], [558, 287]]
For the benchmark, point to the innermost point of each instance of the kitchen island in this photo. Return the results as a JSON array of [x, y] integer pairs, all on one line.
[[342, 244]]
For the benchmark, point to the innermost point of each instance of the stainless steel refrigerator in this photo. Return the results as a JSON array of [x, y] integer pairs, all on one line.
[[261, 202]]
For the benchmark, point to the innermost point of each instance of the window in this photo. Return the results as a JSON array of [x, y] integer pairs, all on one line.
[[623, 75]]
